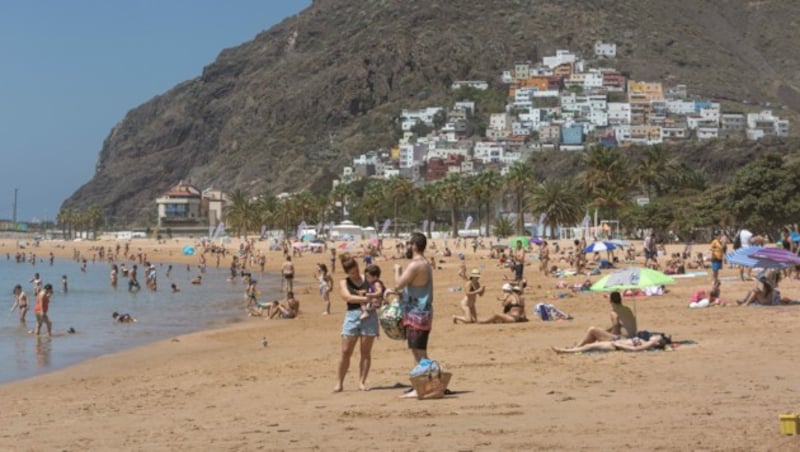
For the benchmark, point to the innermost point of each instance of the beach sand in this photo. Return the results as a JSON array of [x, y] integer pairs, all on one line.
[[222, 390]]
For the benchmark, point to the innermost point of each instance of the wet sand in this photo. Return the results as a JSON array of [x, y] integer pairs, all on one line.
[[222, 390]]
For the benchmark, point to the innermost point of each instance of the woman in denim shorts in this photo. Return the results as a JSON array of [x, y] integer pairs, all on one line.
[[353, 290]]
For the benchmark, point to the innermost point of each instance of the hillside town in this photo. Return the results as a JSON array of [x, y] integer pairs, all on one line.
[[559, 103]]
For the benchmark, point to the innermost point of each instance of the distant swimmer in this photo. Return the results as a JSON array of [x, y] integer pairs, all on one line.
[[197, 280], [123, 318], [175, 288]]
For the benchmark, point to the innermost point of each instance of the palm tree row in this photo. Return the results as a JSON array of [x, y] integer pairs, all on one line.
[[74, 221], [609, 181]]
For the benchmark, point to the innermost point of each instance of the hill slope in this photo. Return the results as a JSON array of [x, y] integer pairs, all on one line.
[[289, 108]]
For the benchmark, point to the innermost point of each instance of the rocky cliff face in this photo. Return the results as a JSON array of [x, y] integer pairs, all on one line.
[[286, 110]]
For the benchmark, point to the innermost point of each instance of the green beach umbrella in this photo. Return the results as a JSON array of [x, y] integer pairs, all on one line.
[[631, 278], [525, 241]]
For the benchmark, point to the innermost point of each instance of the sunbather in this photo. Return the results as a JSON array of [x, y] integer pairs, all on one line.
[[634, 344]]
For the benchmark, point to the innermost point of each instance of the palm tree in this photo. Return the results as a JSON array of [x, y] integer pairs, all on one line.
[[518, 183], [453, 192], [94, 218], [427, 196], [264, 207], [605, 168], [61, 219], [398, 190], [371, 205], [558, 200], [486, 190], [283, 214], [651, 172], [240, 213], [609, 199], [340, 195]]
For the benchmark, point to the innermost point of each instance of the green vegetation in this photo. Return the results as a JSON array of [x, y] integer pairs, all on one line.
[[761, 195]]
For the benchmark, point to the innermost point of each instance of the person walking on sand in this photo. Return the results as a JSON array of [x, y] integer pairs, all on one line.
[[20, 302], [415, 283], [325, 286], [519, 262], [287, 270], [41, 308], [544, 258]]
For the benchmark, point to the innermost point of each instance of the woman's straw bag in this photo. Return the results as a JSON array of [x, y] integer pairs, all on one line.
[[390, 317]]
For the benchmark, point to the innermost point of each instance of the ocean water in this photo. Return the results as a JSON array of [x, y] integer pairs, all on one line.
[[90, 301]]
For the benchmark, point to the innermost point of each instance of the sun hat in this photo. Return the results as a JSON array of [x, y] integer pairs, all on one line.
[[475, 273], [507, 287], [517, 289]]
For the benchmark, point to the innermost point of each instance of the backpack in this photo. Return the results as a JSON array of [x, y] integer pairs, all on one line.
[[737, 241]]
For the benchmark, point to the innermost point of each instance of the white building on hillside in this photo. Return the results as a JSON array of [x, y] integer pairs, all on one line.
[[476, 84], [561, 57], [605, 49]]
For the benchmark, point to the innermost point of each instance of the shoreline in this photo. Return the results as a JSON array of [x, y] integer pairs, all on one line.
[[221, 389]]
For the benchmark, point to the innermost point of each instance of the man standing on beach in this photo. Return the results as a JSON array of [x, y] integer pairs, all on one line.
[[41, 308], [416, 285], [287, 270], [717, 254]]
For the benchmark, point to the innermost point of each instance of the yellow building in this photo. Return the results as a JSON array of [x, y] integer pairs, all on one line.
[[646, 91]]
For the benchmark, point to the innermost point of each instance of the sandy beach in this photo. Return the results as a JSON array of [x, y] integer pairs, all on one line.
[[222, 390]]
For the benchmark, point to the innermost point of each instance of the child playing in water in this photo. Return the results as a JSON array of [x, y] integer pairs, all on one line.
[[372, 273]]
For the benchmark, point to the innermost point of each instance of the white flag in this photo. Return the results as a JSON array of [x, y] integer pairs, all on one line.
[[300, 227], [386, 225], [218, 231], [425, 225], [468, 222]]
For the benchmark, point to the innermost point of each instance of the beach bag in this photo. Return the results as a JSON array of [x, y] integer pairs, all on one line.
[[390, 317], [429, 381]]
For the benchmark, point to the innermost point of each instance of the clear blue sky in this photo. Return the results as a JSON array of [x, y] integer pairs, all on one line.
[[71, 69]]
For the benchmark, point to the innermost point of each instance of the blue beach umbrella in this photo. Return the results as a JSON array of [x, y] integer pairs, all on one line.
[[188, 250], [600, 246]]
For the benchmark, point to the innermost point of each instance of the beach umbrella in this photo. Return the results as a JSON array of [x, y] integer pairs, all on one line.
[[188, 250], [525, 242], [536, 240], [742, 256], [599, 246], [631, 278], [777, 255]]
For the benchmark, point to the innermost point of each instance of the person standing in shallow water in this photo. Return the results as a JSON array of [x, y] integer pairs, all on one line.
[[20, 302], [41, 309]]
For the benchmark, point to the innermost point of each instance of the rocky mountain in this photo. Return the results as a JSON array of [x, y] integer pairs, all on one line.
[[286, 110]]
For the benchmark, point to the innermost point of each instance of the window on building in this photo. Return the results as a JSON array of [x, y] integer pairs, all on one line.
[[176, 210]]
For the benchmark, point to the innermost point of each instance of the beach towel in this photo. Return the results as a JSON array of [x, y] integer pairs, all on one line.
[[548, 312]]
